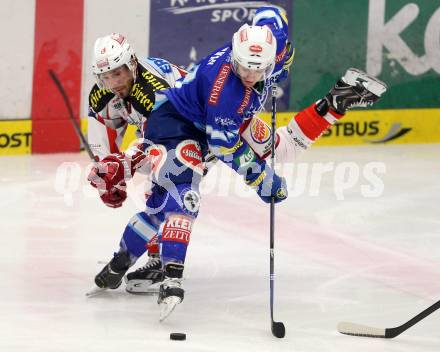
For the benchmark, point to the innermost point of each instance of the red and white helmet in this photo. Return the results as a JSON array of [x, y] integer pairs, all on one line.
[[111, 52], [254, 47]]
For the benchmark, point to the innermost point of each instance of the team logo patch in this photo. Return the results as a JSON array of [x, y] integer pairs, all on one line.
[[260, 132], [282, 193], [191, 200], [177, 229], [189, 153]]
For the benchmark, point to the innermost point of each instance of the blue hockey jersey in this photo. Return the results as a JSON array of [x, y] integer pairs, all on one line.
[[212, 97]]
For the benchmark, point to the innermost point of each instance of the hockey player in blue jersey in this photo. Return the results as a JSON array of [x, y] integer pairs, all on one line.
[[206, 111]]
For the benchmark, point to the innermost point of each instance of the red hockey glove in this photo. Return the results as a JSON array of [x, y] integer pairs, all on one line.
[[108, 177], [110, 174]]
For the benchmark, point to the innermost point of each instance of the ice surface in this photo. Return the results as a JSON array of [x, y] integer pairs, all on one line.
[[339, 256]]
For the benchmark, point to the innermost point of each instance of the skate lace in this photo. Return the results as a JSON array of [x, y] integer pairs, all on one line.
[[152, 262], [362, 102]]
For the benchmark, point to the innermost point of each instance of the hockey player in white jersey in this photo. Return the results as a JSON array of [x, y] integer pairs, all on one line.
[[124, 91]]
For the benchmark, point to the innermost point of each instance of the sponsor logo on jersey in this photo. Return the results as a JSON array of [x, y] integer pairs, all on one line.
[[219, 83], [189, 153], [156, 156], [153, 81], [260, 132], [281, 55], [245, 101], [177, 229], [245, 160], [140, 96], [96, 95]]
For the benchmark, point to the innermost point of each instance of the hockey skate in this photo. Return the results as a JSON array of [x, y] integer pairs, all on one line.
[[110, 277], [171, 292], [146, 279], [355, 89]]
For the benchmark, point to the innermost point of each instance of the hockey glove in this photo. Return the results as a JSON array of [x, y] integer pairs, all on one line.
[[108, 177], [268, 184]]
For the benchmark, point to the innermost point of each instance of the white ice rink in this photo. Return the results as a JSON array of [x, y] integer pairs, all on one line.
[[339, 255]]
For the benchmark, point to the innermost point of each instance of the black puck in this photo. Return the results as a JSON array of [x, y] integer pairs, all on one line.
[[177, 336]]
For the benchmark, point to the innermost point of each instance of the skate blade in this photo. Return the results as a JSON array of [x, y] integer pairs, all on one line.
[[142, 287], [95, 291], [372, 84], [167, 306]]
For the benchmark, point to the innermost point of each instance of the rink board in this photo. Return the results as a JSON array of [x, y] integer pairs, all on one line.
[[357, 128]]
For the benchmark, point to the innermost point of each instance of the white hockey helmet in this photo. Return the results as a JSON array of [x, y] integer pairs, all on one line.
[[111, 52], [254, 47]]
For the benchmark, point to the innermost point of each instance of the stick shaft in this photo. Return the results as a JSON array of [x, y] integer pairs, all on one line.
[[71, 114]]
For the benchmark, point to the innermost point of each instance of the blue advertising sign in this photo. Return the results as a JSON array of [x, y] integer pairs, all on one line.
[[184, 31]]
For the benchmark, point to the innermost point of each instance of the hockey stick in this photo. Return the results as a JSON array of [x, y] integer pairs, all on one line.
[[387, 333], [71, 115], [278, 329]]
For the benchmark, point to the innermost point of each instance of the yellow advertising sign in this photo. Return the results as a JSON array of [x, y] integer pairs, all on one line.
[[15, 137], [356, 128], [378, 126]]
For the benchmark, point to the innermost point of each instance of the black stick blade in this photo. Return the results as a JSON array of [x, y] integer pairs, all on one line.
[[278, 329]]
